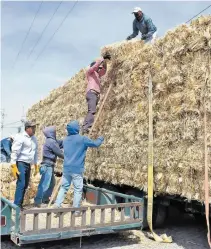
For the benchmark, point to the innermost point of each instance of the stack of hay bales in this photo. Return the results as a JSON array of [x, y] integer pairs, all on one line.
[[179, 65]]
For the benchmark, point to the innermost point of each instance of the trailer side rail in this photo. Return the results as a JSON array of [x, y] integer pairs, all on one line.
[[86, 220]]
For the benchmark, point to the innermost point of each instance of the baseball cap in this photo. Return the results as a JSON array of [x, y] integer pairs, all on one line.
[[136, 10], [30, 124]]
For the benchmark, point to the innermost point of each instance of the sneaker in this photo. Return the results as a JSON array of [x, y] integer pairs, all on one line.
[[55, 206], [56, 215]]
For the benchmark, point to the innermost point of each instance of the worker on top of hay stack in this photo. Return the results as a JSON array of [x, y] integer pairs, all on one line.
[[51, 150], [6, 145], [75, 147], [143, 24], [93, 75], [24, 154]]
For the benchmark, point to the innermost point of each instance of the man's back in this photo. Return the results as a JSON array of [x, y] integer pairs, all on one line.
[[75, 147], [74, 153]]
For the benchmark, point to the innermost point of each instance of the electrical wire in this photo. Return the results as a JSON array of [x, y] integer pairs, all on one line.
[[69, 12], [27, 34], [13, 123], [32, 50], [199, 13]]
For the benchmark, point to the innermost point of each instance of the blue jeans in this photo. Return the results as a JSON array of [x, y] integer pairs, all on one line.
[[77, 180], [46, 185], [22, 182]]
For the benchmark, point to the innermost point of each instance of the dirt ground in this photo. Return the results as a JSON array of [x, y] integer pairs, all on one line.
[[185, 231]]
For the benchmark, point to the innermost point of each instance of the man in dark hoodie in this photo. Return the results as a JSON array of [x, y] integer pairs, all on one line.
[[51, 149], [75, 147]]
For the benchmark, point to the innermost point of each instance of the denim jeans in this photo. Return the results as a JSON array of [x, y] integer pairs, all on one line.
[[46, 185], [77, 180], [92, 101], [22, 182]]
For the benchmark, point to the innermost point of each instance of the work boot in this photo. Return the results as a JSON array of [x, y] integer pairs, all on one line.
[[40, 205], [47, 202]]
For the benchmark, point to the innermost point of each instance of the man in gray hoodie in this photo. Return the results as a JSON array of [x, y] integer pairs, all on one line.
[[51, 150]]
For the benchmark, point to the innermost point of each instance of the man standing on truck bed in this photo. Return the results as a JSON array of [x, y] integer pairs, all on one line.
[[143, 24], [51, 149], [75, 147], [24, 154], [93, 75]]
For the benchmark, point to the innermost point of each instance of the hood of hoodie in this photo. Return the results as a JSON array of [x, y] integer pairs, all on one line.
[[50, 132], [73, 128]]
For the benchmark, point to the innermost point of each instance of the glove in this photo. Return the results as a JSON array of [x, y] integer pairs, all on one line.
[[15, 171], [36, 171], [128, 38], [107, 56]]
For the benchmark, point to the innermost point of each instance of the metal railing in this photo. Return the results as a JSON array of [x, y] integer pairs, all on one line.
[[86, 220]]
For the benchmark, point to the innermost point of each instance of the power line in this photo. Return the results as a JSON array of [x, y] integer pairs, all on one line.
[[27, 34], [69, 12], [13, 123], [199, 13], [44, 30]]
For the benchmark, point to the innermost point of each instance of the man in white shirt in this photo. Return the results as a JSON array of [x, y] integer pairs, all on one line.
[[24, 154]]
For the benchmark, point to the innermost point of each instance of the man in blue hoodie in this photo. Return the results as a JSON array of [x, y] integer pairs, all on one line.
[[143, 24], [51, 150], [75, 147]]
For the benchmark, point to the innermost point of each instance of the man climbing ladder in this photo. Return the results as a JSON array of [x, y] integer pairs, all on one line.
[[93, 75]]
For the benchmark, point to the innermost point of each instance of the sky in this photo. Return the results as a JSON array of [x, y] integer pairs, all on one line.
[[90, 26]]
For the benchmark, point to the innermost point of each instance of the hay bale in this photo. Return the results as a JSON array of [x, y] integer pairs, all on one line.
[[180, 67]]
